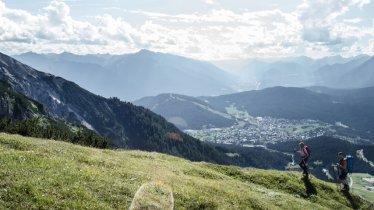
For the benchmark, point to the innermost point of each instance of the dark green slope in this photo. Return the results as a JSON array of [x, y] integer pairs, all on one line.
[[280, 102]]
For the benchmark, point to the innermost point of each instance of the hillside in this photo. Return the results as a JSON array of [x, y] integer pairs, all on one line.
[[136, 75], [126, 125], [186, 112], [279, 102], [22, 115], [352, 108], [45, 174], [14, 105]]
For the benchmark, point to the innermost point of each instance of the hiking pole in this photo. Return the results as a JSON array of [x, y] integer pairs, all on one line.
[[335, 176], [292, 160]]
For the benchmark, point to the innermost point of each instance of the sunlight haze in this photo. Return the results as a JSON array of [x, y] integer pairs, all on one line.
[[203, 29]]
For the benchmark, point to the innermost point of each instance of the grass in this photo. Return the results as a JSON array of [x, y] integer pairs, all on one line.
[[305, 128], [360, 186], [46, 174]]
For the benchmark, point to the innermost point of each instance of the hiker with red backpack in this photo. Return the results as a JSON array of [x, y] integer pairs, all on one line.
[[304, 152]]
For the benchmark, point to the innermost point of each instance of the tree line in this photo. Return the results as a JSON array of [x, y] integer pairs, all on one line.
[[43, 128]]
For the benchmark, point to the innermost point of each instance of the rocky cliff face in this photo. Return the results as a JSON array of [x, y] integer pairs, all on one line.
[[61, 97], [17, 106]]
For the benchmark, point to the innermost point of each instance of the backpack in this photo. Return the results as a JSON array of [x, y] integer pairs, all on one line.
[[349, 160], [307, 150]]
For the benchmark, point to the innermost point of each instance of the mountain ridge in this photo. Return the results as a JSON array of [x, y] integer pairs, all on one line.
[[140, 74], [124, 124]]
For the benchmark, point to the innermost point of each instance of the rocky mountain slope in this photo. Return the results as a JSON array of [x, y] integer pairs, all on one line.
[[14, 105], [126, 125]]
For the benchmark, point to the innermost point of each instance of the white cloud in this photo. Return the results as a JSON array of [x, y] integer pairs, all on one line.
[[209, 1], [58, 12], [324, 25], [55, 30], [225, 34], [353, 20], [313, 29], [360, 3]]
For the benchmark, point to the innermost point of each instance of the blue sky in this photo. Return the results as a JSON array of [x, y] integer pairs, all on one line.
[[204, 29]]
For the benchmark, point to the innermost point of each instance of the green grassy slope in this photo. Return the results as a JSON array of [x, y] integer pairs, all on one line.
[[363, 187], [45, 174]]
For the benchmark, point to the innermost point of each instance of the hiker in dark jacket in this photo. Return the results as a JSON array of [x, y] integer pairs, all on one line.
[[342, 166], [304, 154]]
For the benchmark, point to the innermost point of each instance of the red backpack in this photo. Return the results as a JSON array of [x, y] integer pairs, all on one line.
[[307, 150]]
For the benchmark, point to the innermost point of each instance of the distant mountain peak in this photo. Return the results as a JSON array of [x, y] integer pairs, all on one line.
[[371, 59], [145, 51]]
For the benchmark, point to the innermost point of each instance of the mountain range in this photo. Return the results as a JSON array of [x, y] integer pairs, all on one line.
[[134, 127], [132, 76], [126, 125], [147, 73], [301, 72]]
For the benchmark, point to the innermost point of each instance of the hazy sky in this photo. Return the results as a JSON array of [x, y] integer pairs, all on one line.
[[204, 29]]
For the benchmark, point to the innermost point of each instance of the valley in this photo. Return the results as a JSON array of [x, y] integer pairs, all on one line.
[[270, 115], [249, 130], [363, 184]]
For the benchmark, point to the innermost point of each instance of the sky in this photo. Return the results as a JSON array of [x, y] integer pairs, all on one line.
[[202, 29]]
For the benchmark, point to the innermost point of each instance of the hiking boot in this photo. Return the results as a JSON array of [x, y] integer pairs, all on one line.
[[345, 188]]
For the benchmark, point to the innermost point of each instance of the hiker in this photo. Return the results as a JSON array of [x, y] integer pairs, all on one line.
[[304, 154], [342, 166]]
